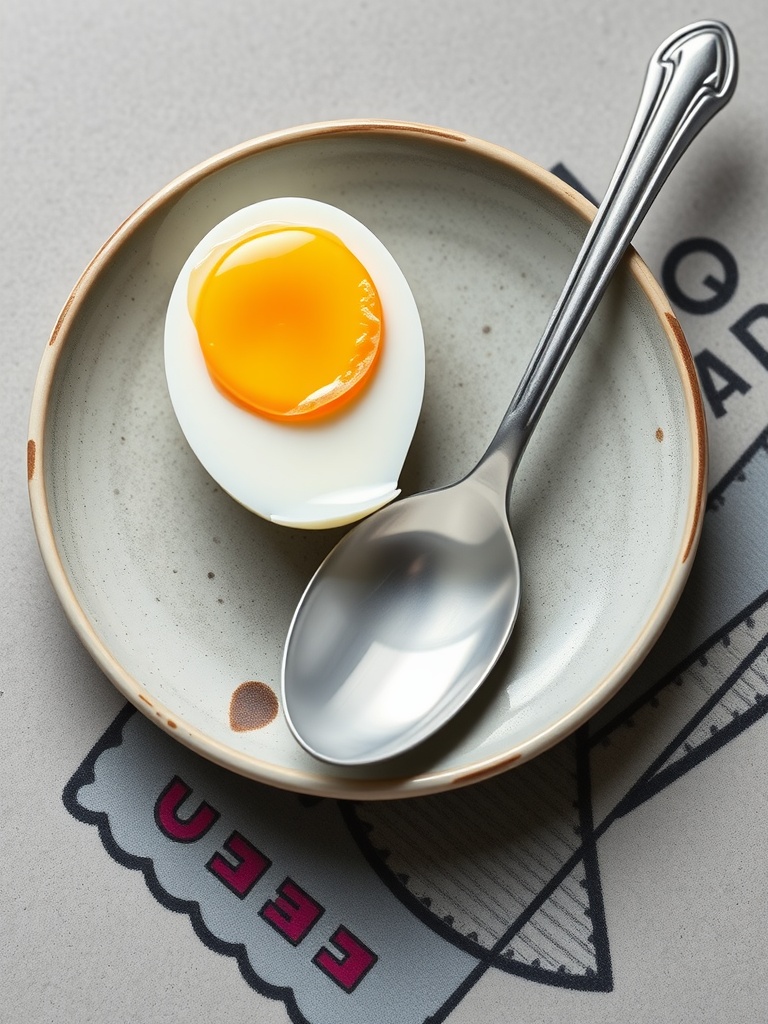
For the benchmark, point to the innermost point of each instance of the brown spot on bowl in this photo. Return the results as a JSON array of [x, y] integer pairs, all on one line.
[[252, 706], [659, 434], [484, 773], [63, 315], [31, 456], [172, 724], [419, 129]]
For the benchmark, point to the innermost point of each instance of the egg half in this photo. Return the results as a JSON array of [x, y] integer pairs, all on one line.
[[294, 356]]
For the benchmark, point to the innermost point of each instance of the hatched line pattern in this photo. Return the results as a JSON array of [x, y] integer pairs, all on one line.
[[476, 865], [559, 936], [747, 692]]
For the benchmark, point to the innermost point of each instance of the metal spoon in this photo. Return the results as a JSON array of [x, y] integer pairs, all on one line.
[[408, 614]]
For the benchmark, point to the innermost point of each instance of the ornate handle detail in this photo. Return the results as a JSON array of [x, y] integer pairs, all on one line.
[[689, 78]]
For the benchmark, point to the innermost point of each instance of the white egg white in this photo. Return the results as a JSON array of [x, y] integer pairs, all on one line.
[[317, 474]]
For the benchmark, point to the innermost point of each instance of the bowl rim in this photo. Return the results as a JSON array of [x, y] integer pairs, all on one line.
[[297, 780]]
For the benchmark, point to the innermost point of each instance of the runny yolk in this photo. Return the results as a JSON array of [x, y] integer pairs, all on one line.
[[289, 321]]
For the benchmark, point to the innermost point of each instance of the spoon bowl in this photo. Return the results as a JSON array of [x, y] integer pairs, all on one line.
[[425, 595], [407, 617]]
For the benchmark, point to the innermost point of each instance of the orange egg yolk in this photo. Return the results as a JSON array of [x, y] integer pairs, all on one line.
[[289, 321]]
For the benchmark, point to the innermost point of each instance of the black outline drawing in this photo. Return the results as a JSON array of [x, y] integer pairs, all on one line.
[[84, 776]]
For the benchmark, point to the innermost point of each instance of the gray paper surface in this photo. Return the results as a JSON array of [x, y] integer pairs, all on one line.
[[621, 876]]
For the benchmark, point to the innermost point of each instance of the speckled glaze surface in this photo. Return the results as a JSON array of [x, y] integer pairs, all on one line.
[[184, 598]]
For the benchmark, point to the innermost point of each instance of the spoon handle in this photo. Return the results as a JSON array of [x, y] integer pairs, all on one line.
[[689, 78]]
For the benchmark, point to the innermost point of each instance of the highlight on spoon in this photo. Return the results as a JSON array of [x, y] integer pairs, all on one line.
[[390, 605]]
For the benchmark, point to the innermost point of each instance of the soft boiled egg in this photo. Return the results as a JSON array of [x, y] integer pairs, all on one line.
[[294, 356]]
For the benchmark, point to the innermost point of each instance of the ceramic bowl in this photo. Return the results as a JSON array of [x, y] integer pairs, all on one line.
[[184, 598]]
